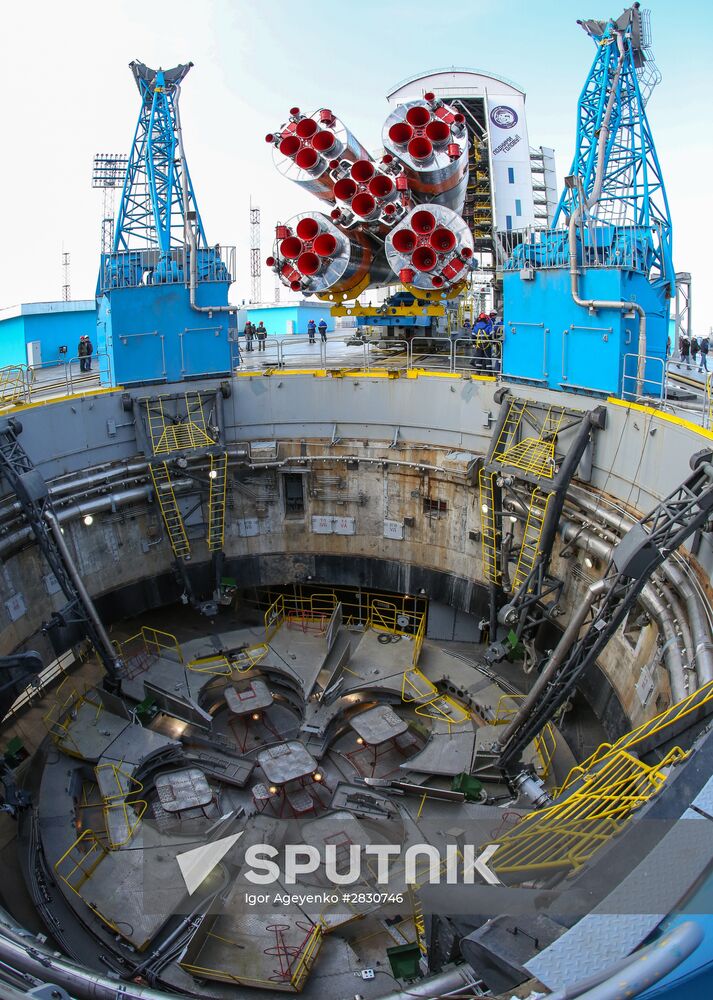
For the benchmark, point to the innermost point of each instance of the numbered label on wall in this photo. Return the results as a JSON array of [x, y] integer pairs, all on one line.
[[330, 525], [393, 529]]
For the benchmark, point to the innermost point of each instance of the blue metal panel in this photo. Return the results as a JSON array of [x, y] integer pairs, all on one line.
[[552, 341], [152, 334]]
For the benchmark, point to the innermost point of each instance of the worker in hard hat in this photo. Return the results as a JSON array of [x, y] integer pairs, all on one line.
[[482, 341], [311, 330]]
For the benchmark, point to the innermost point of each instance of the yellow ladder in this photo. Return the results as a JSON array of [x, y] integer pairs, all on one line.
[[419, 922], [530, 548], [163, 487], [489, 534], [217, 492], [506, 437]]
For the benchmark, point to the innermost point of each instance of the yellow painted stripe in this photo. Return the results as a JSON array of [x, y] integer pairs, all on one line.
[[64, 399], [669, 418]]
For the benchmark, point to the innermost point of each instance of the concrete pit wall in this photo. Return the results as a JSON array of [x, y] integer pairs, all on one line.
[[391, 449]]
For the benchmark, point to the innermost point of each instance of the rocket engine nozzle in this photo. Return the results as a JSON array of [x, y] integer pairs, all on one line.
[[430, 248]]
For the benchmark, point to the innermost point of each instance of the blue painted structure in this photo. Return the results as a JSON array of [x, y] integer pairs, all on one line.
[[53, 324], [285, 318], [615, 202], [148, 323]]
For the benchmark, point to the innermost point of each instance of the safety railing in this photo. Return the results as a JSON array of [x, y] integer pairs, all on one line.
[[661, 727], [147, 645], [12, 384], [644, 377], [122, 820], [430, 353], [307, 957], [566, 835], [629, 247], [78, 864], [23, 384], [381, 355], [274, 616], [61, 714], [311, 613], [134, 268]]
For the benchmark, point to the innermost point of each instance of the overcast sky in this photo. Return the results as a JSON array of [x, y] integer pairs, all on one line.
[[67, 93]]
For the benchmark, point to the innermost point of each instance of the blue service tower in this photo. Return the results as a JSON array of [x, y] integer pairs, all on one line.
[[586, 303], [162, 292]]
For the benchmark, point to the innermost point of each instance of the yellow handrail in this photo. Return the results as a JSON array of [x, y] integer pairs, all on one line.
[[567, 834], [654, 727], [79, 864]]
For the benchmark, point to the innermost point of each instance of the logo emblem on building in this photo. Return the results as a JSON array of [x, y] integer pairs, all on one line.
[[503, 116]]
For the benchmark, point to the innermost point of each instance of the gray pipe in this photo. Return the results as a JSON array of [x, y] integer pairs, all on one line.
[[639, 971], [81, 983], [598, 547], [701, 646], [567, 640], [87, 602]]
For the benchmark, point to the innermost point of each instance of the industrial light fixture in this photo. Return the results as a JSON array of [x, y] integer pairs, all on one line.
[[589, 563], [317, 776], [484, 508], [273, 789], [213, 474], [360, 741], [88, 519], [513, 519], [256, 716]]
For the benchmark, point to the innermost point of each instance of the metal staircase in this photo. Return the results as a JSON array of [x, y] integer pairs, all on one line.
[[535, 450], [170, 511], [180, 431]]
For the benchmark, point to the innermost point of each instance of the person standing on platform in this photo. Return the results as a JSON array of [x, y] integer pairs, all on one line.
[[684, 351], [82, 353], [482, 339], [703, 348], [323, 330], [261, 334], [249, 333], [311, 330], [89, 350], [694, 350]]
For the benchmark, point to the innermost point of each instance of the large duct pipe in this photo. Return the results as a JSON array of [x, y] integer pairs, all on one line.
[[29, 957], [567, 640], [306, 150], [586, 541], [431, 249], [701, 646], [430, 139], [313, 256], [110, 656]]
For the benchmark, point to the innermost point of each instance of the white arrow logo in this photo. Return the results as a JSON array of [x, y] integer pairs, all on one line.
[[480, 865], [197, 864]]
